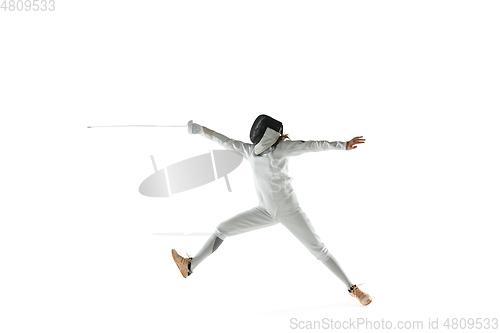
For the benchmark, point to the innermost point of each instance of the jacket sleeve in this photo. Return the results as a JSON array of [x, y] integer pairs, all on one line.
[[224, 141], [295, 148]]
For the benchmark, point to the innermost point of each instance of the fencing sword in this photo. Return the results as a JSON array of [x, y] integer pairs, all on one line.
[[138, 126]]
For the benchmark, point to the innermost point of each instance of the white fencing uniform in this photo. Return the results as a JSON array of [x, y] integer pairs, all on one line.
[[277, 201]]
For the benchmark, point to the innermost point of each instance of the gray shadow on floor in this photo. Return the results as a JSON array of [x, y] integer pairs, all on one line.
[[311, 307]]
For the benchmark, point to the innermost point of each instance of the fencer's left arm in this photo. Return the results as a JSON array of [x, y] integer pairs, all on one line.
[[295, 148]]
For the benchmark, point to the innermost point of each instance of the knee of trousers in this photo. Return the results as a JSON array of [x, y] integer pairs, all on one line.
[[320, 252], [220, 232]]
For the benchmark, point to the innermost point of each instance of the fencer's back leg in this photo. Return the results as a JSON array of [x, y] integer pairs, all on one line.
[[252, 219], [213, 242]]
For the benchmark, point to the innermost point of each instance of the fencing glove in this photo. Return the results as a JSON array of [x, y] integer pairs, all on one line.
[[193, 128]]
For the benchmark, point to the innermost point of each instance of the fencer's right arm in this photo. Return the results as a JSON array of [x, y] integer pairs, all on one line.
[[224, 141]]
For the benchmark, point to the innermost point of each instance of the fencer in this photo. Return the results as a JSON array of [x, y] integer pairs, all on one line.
[[268, 156]]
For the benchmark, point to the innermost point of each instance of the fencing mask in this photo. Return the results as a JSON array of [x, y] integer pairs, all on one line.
[[265, 132]]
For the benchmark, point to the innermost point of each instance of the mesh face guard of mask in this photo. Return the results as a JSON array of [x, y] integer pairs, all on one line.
[[265, 132]]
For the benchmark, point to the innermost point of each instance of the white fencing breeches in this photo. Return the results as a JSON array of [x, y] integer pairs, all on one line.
[[288, 214]]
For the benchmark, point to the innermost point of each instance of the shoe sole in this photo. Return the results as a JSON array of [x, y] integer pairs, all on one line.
[[360, 300], [177, 264]]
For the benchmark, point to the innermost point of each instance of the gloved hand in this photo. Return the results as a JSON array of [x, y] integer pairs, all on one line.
[[193, 128]]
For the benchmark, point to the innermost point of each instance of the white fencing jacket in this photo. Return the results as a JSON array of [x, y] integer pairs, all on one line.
[[270, 169]]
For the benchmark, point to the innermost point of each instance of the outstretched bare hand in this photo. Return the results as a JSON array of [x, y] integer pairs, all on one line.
[[351, 144]]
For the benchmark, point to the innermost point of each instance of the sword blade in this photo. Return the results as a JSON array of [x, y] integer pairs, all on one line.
[[138, 126]]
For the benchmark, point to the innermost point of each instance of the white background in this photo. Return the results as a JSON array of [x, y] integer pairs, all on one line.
[[412, 213]]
